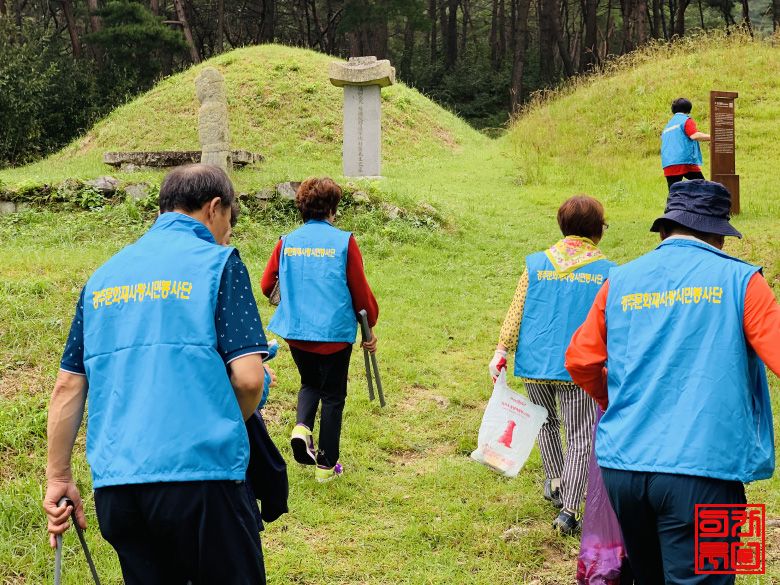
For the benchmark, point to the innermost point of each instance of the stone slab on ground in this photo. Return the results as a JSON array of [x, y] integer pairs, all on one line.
[[163, 159], [7, 207]]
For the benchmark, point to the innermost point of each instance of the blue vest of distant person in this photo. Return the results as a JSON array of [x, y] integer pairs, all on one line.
[[687, 394], [161, 406], [316, 304], [556, 304], [676, 147]]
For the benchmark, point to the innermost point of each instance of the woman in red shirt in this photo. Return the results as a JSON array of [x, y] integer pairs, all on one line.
[[313, 253]]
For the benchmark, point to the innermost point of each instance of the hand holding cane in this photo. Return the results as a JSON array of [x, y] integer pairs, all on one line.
[[58, 550]]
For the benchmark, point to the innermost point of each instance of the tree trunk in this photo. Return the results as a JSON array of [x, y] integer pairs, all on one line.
[[220, 26], [746, 16], [185, 24], [520, 10], [464, 4], [656, 26], [494, 58], [451, 56], [640, 17], [502, 30], [775, 15], [589, 55], [546, 19], [154, 6], [405, 66], [267, 27], [563, 46], [627, 9], [679, 18], [67, 10], [432, 40], [3, 9]]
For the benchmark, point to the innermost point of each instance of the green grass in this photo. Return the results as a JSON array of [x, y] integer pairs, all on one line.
[[412, 508]]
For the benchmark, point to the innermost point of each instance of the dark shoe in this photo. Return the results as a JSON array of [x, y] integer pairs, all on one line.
[[566, 522], [552, 496]]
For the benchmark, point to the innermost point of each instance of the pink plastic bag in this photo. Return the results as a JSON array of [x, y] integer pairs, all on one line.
[[602, 559]]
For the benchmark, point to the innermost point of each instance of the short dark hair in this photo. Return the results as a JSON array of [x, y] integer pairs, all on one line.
[[582, 216], [671, 227], [317, 198], [189, 187], [681, 106]]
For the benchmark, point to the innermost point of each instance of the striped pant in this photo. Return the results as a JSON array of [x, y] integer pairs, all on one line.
[[579, 415]]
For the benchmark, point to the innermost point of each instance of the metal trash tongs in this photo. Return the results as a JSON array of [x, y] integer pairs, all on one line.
[[370, 359], [58, 550]]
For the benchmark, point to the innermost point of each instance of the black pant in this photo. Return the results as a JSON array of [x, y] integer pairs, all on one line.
[[323, 379], [656, 515], [672, 179], [200, 532]]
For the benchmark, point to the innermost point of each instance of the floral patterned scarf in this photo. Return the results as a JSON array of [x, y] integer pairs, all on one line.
[[573, 252]]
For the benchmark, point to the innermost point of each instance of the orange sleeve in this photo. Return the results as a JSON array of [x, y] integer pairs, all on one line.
[[762, 322], [587, 352], [271, 272]]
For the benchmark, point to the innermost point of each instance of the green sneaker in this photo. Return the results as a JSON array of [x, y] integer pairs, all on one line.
[[302, 444], [323, 474]]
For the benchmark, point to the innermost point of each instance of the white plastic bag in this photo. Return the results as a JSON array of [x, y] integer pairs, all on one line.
[[508, 430]]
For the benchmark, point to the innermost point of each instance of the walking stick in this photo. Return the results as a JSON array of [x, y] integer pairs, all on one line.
[[367, 355], [58, 550]]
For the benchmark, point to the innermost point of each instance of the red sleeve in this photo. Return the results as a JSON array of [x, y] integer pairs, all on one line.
[[690, 128], [362, 297], [587, 352], [271, 272], [762, 322]]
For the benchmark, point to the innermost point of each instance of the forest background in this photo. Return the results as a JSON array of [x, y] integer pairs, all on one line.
[[66, 63]]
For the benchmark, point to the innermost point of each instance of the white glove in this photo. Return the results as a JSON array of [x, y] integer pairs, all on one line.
[[498, 363]]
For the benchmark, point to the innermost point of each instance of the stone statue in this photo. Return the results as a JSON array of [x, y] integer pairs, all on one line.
[[213, 130]]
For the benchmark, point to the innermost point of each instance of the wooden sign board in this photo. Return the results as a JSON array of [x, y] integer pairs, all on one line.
[[722, 165]]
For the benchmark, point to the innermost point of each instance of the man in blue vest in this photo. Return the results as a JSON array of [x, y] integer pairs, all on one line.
[[169, 342], [683, 330], [680, 150]]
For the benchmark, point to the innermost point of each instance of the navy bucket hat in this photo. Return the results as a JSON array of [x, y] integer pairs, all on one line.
[[699, 205]]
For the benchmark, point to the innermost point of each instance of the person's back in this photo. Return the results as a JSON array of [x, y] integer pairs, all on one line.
[[660, 308], [670, 350], [316, 304], [680, 151], [150, 350], [556, 304], [172, 373]]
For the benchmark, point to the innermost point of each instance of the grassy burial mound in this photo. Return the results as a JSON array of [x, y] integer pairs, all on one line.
[[281, 104]]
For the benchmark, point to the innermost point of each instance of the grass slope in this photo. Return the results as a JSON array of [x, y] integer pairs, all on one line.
[[412, 508], [281, 104]]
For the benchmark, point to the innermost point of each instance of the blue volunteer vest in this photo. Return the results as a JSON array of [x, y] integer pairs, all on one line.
[[687, 394], [556, 305], [316, 304], [676, 147], [161, 406]]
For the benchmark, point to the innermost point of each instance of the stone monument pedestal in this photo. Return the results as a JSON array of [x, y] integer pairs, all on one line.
[[362, 79]]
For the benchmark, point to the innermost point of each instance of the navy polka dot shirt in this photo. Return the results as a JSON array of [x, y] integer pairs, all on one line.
[[239, 327]]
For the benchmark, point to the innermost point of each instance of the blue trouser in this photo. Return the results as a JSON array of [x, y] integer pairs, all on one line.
[[656, 515]]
